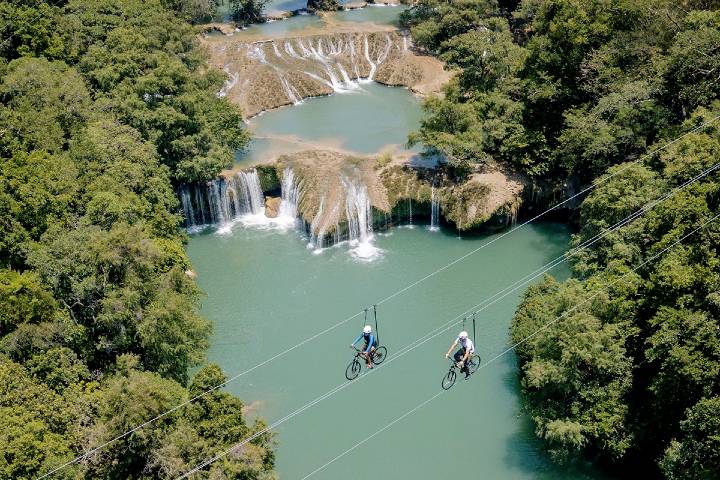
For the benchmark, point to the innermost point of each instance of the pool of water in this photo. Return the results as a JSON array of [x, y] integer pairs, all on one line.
[[377, 14], [266, 292], [367, 120]]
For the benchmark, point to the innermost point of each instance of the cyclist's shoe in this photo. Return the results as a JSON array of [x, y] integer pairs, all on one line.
[[467, 375]]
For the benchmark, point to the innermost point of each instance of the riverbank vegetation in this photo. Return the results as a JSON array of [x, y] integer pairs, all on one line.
[[567, 92], [105, 106]]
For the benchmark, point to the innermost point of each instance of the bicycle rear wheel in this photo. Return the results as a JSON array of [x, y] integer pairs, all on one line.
[[473, 363], [353, 370], [380, 354], [449, 379]]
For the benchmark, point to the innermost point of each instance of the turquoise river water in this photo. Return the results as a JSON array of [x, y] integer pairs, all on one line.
[[267, 292]]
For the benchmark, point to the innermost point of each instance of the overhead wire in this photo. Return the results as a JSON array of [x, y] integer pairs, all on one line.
[[507, 350], [380, 302], [481, 306]]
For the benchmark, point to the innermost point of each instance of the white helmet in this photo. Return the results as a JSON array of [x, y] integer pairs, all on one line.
[[367, 329], [463, 335]]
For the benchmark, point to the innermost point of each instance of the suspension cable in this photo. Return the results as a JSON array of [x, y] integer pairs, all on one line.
[[485, 304], [510, 348], [347, 319]]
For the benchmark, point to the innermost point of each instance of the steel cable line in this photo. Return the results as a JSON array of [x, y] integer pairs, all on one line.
[[485, 304], [510, 348], [384, 300]]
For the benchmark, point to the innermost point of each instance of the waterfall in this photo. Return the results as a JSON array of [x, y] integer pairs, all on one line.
[[322, 230], [219, 206], [384, 54], [254, 198], [290, 91], [290, 195], [226, 199], [199, 200], [410, 209], [434, 211], [229, 83], [358, 212], [187, 205], [346, 77], [304, 49], [367, 57], [256, 52], [315, 241], [335, 82], [351, 43], [291, 51]]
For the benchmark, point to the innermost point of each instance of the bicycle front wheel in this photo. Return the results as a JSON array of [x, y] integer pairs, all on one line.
[[379, 356], [449, 379], [353, 370], [473, 363]]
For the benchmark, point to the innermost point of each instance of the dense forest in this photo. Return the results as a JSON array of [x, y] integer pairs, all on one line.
[[105, 106], [568, 91]]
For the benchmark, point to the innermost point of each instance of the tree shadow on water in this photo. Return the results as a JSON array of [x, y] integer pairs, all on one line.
[[525, 453]]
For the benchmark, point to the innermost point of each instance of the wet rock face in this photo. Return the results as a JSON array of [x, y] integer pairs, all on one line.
[[272, 206], [487, 200], [339, 193], [271, 73]]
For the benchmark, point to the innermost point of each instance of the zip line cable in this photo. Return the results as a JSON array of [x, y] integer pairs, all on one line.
[[509, 349], [439, 330], [384, 300], [336, 325]]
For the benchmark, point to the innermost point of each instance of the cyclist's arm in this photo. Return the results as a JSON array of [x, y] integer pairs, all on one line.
[[451, 348], [371, 341], [356, 340]]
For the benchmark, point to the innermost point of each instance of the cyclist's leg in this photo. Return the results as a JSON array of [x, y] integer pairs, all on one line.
[[367, 355], [459, 355]]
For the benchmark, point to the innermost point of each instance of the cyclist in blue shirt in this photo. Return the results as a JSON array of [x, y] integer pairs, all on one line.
[[370, 344]]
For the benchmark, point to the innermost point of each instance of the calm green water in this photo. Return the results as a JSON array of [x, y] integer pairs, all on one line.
[[267, 291], [377, 14], [365, 120]]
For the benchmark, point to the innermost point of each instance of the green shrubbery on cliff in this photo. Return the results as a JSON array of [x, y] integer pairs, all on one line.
[[567, 90], [104, 106]]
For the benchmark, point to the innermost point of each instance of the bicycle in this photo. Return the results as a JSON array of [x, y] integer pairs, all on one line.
[[377, 357], [449, 379]]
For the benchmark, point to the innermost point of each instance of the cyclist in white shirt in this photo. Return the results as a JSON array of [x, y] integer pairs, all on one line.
[[461, 357]]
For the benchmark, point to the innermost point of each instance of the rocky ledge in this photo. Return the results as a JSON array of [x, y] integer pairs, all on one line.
[[331, 182], [270, 73]]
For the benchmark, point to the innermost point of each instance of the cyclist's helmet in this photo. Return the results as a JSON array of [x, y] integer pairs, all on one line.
[[463, 335], [367, 329]]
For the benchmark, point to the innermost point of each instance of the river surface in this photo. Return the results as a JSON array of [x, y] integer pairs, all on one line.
[[267, 292], [377, 14], [366, 120]]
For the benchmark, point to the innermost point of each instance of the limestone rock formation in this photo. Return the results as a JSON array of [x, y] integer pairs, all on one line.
[[336, 189], [489, 199], [272, 206], [267, 74]]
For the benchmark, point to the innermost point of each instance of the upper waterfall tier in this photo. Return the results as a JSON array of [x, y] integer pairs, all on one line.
[[271, 73]]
